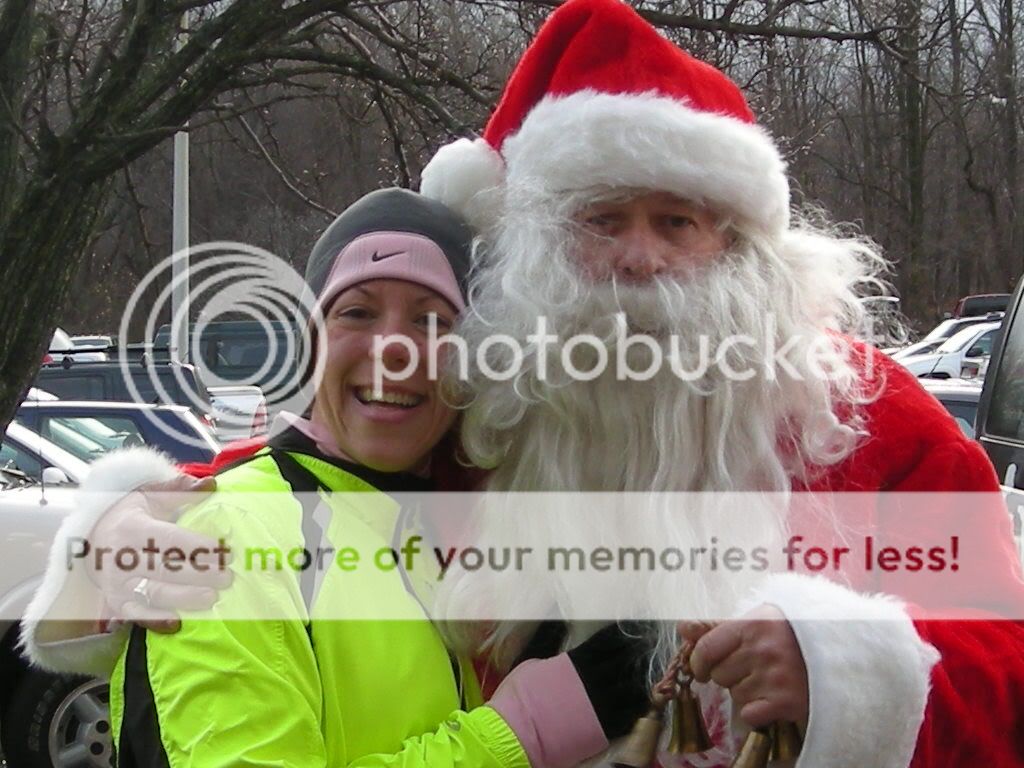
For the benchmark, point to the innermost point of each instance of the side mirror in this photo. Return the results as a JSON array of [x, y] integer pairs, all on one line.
[[976, 352], [55, 476]]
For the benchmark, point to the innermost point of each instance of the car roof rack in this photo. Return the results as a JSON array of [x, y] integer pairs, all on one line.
[[140, 352]]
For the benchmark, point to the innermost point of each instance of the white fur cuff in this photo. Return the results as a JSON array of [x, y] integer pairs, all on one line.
[[50, 639], [868, 672]]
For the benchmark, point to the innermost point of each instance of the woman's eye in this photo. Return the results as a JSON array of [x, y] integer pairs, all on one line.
[[598, 221], [353, 313]]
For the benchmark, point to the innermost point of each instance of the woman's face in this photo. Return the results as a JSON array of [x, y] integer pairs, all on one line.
[[397, 431]]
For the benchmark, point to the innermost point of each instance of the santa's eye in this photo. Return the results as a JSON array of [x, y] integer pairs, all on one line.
[[599, 221], [678, 221]]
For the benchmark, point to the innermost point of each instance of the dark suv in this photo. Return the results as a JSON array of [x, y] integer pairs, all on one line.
[[236, 350], [108, 380]]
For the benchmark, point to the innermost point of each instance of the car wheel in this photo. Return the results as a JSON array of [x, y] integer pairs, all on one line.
[[58, 720]]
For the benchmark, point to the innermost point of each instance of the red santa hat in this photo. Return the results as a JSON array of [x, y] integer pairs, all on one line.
[[601, 99]]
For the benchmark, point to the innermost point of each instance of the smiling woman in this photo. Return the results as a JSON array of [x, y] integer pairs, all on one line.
[[393, 426], [300, 688]]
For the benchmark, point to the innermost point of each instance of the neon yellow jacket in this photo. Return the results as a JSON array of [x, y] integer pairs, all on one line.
[[363, 693]]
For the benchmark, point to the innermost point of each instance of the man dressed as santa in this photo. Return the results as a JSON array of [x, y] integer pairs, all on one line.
[[622, 180], [623, 186]]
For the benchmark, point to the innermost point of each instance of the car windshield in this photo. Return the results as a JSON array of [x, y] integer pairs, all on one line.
[[89, 438], [943, 330], [920, 348], [15, 458], [14, 478]]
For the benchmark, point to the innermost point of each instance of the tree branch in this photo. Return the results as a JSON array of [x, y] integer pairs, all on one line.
[[289, 184]]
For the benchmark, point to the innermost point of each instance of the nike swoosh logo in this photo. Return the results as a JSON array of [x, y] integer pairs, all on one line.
[[381, 256]]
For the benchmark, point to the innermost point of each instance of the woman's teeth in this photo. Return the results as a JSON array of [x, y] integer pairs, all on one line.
[[366, 395]]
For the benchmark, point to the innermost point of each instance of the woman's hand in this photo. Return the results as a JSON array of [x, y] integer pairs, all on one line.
[[145, 518], [757, 658]]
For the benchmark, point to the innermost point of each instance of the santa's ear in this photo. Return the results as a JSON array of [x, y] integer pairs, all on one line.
[[466, 175]]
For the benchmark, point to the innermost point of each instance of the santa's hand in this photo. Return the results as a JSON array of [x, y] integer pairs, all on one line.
[[152, 597], [757, 658]]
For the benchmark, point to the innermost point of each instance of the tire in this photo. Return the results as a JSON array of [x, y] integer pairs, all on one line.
[[58, 720]]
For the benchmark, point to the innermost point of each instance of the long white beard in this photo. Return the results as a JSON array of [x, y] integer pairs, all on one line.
[[664, 434]]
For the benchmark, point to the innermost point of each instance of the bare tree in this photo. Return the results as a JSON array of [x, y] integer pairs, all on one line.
[[900, 115], [87, 90]]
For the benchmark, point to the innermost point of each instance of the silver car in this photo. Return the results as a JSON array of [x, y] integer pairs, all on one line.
[[45, 719]]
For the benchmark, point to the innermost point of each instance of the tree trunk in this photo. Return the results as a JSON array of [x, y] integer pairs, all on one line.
[[963, 271], [49, 227], [914, 139], [1007, 89], [15, 44]]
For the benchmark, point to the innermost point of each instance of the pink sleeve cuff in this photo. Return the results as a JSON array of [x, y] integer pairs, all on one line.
[[544, 703]]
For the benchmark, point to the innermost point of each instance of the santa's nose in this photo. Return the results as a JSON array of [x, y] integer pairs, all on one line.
[[638, 256]]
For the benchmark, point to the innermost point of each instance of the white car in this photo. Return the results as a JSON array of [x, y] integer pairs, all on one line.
[[92, 341], [937, 335], [45, 719], [947, 360], [61, 346], [239, 412], [40, 395], [953, 325]]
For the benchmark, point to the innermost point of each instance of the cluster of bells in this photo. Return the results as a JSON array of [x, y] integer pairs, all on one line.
[[777, 745]]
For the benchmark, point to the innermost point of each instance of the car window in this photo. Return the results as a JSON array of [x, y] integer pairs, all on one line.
[[14, 457], [71, 387], [88, 438], [954, 344], [984, 344], [960, 342], [239, 358], [965, 414], [165, 390]]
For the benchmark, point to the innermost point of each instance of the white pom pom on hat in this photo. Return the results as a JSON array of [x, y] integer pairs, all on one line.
[[461, 174]]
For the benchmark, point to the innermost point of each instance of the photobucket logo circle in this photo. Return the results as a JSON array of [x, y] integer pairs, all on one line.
[[226, 281]]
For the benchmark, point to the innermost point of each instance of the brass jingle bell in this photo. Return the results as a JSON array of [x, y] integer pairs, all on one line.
[[641, 746], [689, 731], [786, 743], [756, 750]]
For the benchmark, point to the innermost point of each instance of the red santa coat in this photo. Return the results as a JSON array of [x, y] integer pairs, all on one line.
[[974, 713]]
